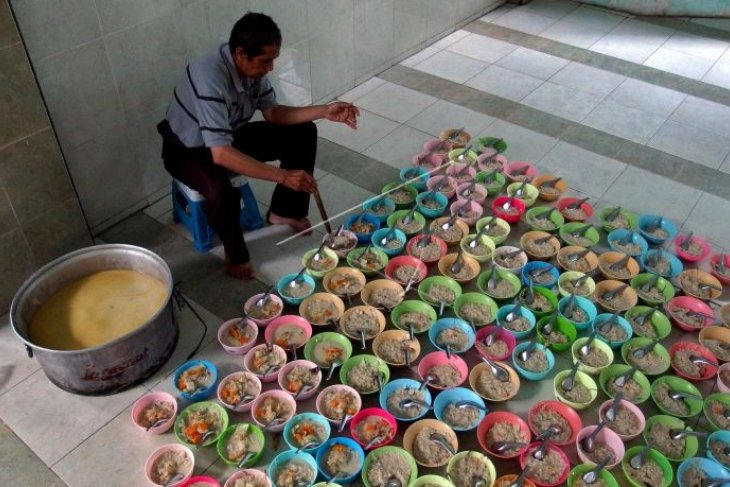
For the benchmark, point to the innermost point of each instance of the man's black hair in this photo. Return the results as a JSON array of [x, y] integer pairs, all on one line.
[[252, 32]]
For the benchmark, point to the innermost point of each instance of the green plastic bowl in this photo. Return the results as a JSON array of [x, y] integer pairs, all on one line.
[[328, 253], [494, 186], [426, 284], [481, 143], [251, 429], [327, 336], [678, 384], [564, 326], [567, 229], [659, 321], [639, 342], [530, 195], [666, 287], [580, 377], [393, 219], [484, 240], [551, 297], [436, 480], [354, 255], [382, 451], [413, 306], [358, 359], [408, 187], [615, 370], [477, 298], [654, 455], [599, 344], [491, 472], [180, 422], [691, 444], [722, 398], [513, 279], [590, 284], [497, 239], [579, 470], [556, 217], [631, 217]]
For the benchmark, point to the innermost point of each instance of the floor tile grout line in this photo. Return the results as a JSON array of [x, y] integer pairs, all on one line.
[[20, 382], [687, 27]]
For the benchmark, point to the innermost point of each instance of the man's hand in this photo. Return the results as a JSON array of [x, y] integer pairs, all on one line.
[[299, 180], [343, 112]]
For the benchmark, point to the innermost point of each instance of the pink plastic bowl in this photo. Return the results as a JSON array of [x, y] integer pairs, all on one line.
[[691, 303], [560, 452], [475, 207], [410, 261], [223, 331], [497, 162], [288, 367], [696, 349], [713, 262], [461, 172], [501, 417], [434, 181], [499, 212], [563, 203], [440, 358], [257, 474], [166, 448], [242, 408], [507, 337], [631, 407], [252, 300], [294, 320], [686, 256], [413, 241], [479, 194], [368, 413], [277, 394], [605, 436], [565, 411], [203, 479], [514, 166], [431, 145], [271, 376], [146, 401], [337, 387], [723, 386], [430, 162]]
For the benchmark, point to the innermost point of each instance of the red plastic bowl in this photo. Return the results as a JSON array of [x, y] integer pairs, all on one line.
[[559, 451], [705, 246], [566, 412], [713, 262], [513, 166], [500, 213], [500, 334], [708, 371], [563, 203], [440, 358], [442, 246], [693, 304], [203, 479], [369, 412], [410, 261], [501, 417]]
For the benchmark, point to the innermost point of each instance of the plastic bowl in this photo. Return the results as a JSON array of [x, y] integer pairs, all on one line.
[[510, 479], [707, 371], [391, 387], [680, 385], [490, 161], [723, 385], [395, 220], [497, 417], [380, 318], [614, 370], [293, 389], [284, 283], [332, 281], [483, 281], [584, 304], [563, 203], [436, 229], [717, 333], [272, 374], [414, 251], [703, 245], [461, 171], [492, 181], [338, 339], [311, 418], [477, 194], [573, 234], [662, 285], [590, 258], [353, 260], [205, 405], [566, 412], [426, 284], [529, 193], [150, 463], [415, 176], [545, 268], [693, 304], [201, 392], [385, 450], [146, 402], [721, 397], [475, 298], [544, 194], [581, 378], [228, 400], [518, 261], [721, 436], [653, 455], [440, 146], [461, 207], [606, 437], [695, 275], [484, 143], [248, 429], [505, 310], [376, 362], [330, 259], [631, 219], [585, 290], [380, 206], [275, 394], [515, 212], [257, 475], [367, 218], [547, 294], [455, 395], [438, 200], [272, 298], [409, 438], [620, 322], [630, 298], [201, 480], [484, 241], [473, 455], [659, 349], [346, 241], [457, 324], [433, 359], [520, 171], [272, 335], [408, 190], [448, 188], [413, 306], [579, 470], [499, 228], [396, 235], [366, 295], [323, 319], [429, 161], [675, 265], [607, 259], [600, 345], [635, 410], [354, 408], [481, 368], [229, 334], [711, 469], [340, 442], [561, 453], [646, 221], [284, 458], [563, 326], [658, 321], [528, 237], [714, 262], [616, 237], [529, 374], [468, 263], [370, 413], [691, 445], [501, 334], [544, 219], [397, 336]]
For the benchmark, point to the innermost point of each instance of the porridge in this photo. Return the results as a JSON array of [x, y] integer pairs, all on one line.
[[194, 378], [578, 394], [344, 284], [240, 443], [612, 332], [398, 396], [289, 335], [497, 349], [631, 390], [268, 310], [682, 361], [419, 321], [157, 411], [199, 422], [393, 351], [548, 470], [363, 377], [427, 253], [168, 464], [361, 319], [386, 466], [594, 358], [625, 422], [266, 360], [385, 297], [341, 458], [454, 338], [545, 418], [469, 469], [294, 472], [659, 435], [409, 226], [650, 474], [674, 406], [452, 234], [650, 363], [247, 479], [235, 389], [490, 387], [336, 403], [430, 452], [406, 273], [272, 408], [717, 412], [476, 313], [508, 432], [373, 427], [461, 417], [536, 362], [300, 290], [238, 336], [720, 349], [440, 294], [306, 431], [299, 377], [445, 375], [718, 450], [325, 353], [689, 317], [320, 312]]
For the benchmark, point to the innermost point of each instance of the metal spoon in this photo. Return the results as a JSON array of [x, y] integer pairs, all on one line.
[[686, 242], [620, 380], [706, 286], [529, 294], [550, 183], [641, 318], [295, 282], [393, 482], [637, 461], [508, 204], [568, 383], [246, 457], [474, 243], [613, 408], [408, 403], [470, 404], [441, 441], [720, 265], [577, 204], [375, 441], [273, 422], [586, 348], [332, 368], [511, 255], [545, 215], [503, 446], [408, 217], [629, 238], [520, 190], [426, 381], [581, 231], [639, 353], [539, 453], [605, 327], [589, 442], [548, 328], [515, 313], [579, 281], [646, 287], [678, 434], [535, 273], [655, 224], [343, 422], [450, 222], [591, 476], [619, 264], [683, 396], [498, 371], [717, 482], [696, 359], [178, 477], [542, 240], [489, 339], [302, 390], [246, 398], [157, 423], [469, 189], [457, 265], [520, 171], [388, 237], [494, 278], [525, 354], [551, 431], [570, 306], [609, 295], [576, 256], [491, 176]]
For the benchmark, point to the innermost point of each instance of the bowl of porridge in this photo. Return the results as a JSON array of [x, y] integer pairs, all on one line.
[[503, 287], [529, 193], [406, 270], [653, 290], [548, 188], [468, 467], [500, 426], [440, 146], [328, 347], [540, 274], [550, 470], [606, 444], [636, 388], [201, 481], [615, 296], [540, 361], [309, 430], [415, 314], [582, 314], [518, 171], [322, 309], [613, 218], [155, 412], [579, 214], [544, 219], [700, 284], [237, 441], [439, 291], [201, 424], [264, 361], [683, 357], [406, 221], [300, 378], [725, 314], [654, 325], [429, 251], [394, 394], [489, 387], [659, 261], [344, 281], [599, 356], [237, 338], [656, 229], [561, 336], [367, 260], [267, 312], [429, 161], [723, 378], [508, 208], [615, 331], [341, 457], [342, 243], [716, 443], [477, 193], [452, 234], [461, 171], [539, 245], [414, 176], [319, 264], [373, 428], [490, 161], [431, 481], [573, 282], [383, 294], [288, 332], [629, 420], [498, 229], [720, 272], [466, 272], [509, 258], [338, 402], [362, 320], [575, 477], [468, 211], [428, 440], [361, 372], [717, 339], [362, 225], [545, 414], [458, 138], [248, 477], [583, 393], [195, 379], [690, 313], [380, 206], [432, 204], [579, 234], [501, 343], [658, 431], [716, 408], [292, 469], [627, 242], [445, 371], [521, 324], [445, 185], [237, 391], [694, 472], [294, 291], [395, 241], [509, 480], [476, 309], [654, 362], [575, 258], [662, 390], [389, 462], [455, 407], [395, 346], [656, 470], [166, 461], [273, 409], [609, 263], [458, 156], [493, 181], [452, 333]]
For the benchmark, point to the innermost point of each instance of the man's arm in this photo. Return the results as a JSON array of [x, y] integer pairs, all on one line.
[[338, 111]]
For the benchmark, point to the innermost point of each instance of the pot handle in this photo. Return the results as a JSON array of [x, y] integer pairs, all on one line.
[[29, 351]]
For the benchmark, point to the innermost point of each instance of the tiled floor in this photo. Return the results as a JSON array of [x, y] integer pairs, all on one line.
[[612, 87]]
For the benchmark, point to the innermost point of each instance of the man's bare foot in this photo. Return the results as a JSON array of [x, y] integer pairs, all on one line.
[[241, 271], [296, 225]]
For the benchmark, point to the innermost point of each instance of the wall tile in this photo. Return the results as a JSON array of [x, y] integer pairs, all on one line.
[[291, 17], [373, 34], [442, 16], [8, 221], [34, 176], [8, 31], [57, 232], [15, 266], [22, 109], [208, 23], [292, 65], [332, 58], [53, 26], [324, 15], [121, 14], [410, 22], [79, 91]]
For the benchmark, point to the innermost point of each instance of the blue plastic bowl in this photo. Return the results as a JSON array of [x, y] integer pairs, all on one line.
[[506, 309], [675, 265], [442, 200], [363, 238], [200, 394], [398, 234], [349, 443], [386, 202], [312, 417], [667, 225], [408, 173], [723, 436], [393, 386], [621, 322], [586, 305], [285, 280], [621, 234], [528, 374], [443, 324], [287, 456], [711, 468], [453, 395], [535, 265]]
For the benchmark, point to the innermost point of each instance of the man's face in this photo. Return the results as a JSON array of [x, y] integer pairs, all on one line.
[[256, 66]]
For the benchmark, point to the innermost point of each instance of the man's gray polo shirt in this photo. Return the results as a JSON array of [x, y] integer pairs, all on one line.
[[211, 100]]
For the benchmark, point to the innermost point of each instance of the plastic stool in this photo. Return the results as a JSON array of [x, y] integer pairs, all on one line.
[[187, 208]]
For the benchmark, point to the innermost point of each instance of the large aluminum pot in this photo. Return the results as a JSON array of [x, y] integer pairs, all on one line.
[[116, 365]]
